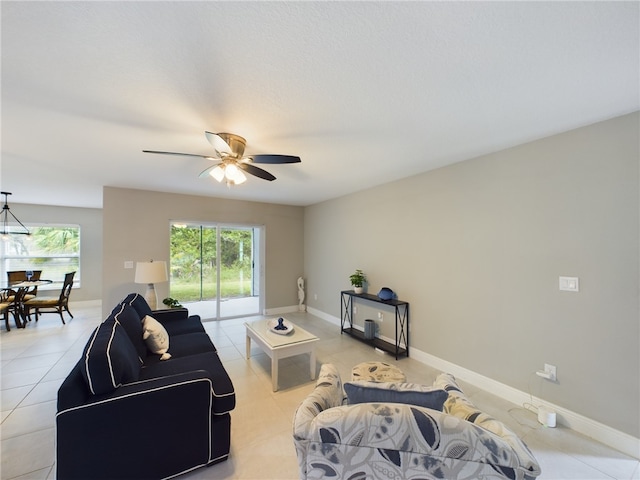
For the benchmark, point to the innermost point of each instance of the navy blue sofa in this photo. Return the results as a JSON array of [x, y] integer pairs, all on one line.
[[124, 414]]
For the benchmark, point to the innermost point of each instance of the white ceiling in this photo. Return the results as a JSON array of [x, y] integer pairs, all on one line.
[[363, 92]]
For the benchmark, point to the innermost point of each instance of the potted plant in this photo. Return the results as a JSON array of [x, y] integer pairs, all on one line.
[[357, 280], [171, 302]]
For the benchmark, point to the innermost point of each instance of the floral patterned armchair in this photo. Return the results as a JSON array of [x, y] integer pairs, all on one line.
[[394, 440]]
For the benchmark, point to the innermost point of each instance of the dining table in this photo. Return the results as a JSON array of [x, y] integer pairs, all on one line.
[[19, 290]]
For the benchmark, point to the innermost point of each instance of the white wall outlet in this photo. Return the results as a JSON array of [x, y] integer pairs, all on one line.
[[551, 371], [315, 296], [128, 264], [569, 284], [380, 317], [355, 309]]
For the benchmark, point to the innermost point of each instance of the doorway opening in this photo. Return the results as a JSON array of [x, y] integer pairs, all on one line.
[[216, 270]]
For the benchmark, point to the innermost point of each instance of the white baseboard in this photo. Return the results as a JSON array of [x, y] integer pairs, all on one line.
[[324, 316], [281, 310], [591, 428], [621, 441], [85, 303]]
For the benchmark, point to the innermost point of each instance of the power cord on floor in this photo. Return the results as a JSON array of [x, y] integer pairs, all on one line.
[[527, 406], [530, 406]]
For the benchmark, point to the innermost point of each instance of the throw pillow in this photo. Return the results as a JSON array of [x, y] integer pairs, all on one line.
[[156, 337], [109, 359], [391, 392], [126, 316], [138, 302]]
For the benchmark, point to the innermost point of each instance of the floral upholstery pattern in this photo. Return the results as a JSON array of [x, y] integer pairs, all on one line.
[[391, 440], [458, 405], [377, 372], [327, 394]]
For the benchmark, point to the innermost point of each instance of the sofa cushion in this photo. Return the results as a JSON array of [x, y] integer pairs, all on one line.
[[223, 393], [392, 392], [155, 337], [129, 319], [109, 358], [377, 372], [184, 345], [138, 302], [176, 324]]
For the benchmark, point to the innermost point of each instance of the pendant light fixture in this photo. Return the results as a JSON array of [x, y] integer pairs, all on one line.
[[8, 229]]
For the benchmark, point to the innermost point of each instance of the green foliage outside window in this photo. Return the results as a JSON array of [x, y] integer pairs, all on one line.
[[194, 264], [58, 241], [54, 250]]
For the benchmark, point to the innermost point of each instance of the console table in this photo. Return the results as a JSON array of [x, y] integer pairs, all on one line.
[[401, 346]]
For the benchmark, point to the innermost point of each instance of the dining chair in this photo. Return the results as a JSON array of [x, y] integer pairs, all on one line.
[[17, 276], [52, 305], [4, 307], [15, 307]]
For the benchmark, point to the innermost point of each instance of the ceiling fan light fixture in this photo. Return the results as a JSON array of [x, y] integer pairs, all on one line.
[[230, 153], [240, 178], [230, 171], [218, 173], [233, 174]]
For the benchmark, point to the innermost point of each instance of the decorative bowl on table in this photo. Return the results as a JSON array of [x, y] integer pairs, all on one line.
[[280, 326]]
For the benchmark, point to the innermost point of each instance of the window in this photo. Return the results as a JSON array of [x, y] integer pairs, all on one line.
[[53, 249]]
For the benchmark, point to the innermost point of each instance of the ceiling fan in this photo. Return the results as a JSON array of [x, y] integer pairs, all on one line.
[[232, 162]]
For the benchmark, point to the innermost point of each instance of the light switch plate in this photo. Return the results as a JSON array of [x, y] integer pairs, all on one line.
[[569, 284], [128, 264]]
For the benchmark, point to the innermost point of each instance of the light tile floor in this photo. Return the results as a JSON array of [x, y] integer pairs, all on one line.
[[34, 362]]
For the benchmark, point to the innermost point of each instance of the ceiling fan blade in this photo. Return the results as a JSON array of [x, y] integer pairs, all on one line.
[[273, 159], [208, 157], [207, 171], [258, 172], [221, 147]]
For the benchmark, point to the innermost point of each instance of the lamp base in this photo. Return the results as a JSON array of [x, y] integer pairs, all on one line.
[[151, 297]]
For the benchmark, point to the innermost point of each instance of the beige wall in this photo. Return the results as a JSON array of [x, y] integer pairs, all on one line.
[[477, 249], [137, 228], [90, 221]]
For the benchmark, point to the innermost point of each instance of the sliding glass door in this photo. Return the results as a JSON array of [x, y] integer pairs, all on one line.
[[215, 269]]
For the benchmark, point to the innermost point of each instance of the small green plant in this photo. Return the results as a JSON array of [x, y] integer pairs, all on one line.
[[171, 302], [358, 278]]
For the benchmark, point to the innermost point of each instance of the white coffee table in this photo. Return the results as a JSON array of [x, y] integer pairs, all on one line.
[[277, 346]]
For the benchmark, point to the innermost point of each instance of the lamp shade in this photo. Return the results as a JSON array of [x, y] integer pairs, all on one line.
[[151, 272]]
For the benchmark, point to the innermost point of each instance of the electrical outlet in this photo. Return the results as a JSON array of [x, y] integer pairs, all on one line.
[[380, 317], [355, 309], [551, 370]]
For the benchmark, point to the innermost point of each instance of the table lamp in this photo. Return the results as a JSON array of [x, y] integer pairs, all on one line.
[[150, 273]]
